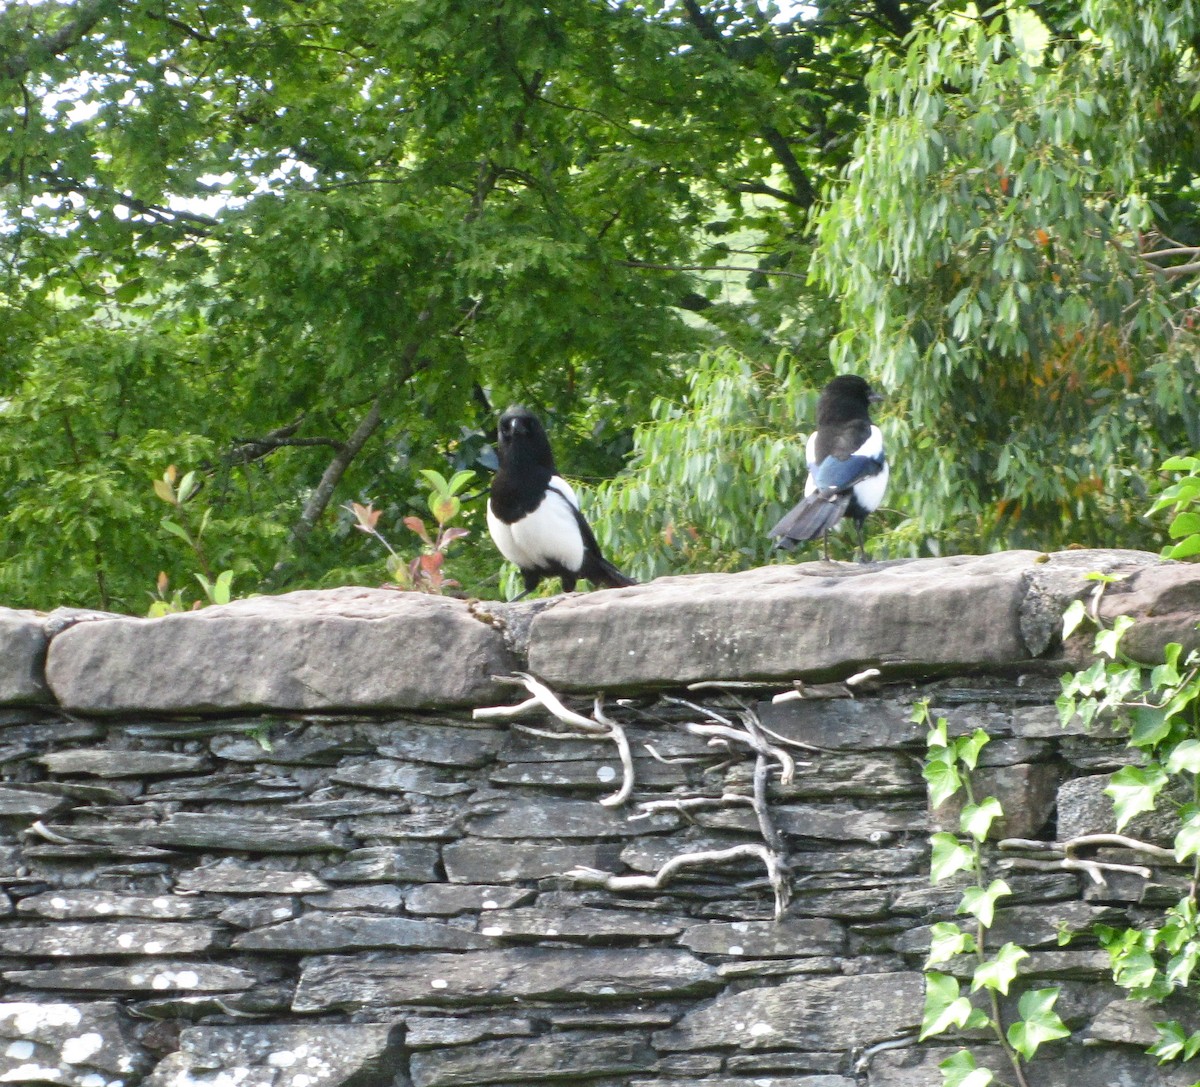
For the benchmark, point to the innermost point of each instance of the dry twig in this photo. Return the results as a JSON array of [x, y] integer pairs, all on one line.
[[590, 727], [594, 877], [1095, 869]]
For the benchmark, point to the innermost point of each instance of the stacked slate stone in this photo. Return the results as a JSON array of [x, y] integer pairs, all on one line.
[[269, 844]]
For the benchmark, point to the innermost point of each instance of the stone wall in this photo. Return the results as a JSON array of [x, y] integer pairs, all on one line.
[[270, 843]]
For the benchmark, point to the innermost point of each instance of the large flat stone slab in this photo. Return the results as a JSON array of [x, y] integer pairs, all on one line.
[[821, 620], [337, 649], [778, 623], [498, 977], [71, 1045], [833, 1013], [299, 1055], [23, 643]]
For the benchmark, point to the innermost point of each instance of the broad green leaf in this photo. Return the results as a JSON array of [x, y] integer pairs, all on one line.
[[1039, 1022], [942, 775], [176, 530], [1184, 756], [1187, 839], [1134, 789], [998, 972], [981, 902], [976, 819], [1167, 673], [1184, 524], [945, 1008], [1185, 549], [961, 1070], [948, 855], [946, 940], [1074, 615], [1171, 1040], [1108, 641], [1151, 725], [968, 747]]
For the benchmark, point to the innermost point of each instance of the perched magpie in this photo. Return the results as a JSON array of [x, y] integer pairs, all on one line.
[[847, 469], [533, 515]]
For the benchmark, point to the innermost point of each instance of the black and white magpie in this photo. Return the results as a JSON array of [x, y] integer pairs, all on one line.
[[847, 469], [533, 514]]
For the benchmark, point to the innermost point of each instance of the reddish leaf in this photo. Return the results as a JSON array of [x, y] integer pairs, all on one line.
[[416, 525], [367, 516]]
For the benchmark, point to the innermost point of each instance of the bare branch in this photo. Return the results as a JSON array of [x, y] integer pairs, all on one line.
[[600, 726], [519, 710], [1093, 841], [1095, 869], [89, 13], [323, 492], [710, 268], [594, 877]]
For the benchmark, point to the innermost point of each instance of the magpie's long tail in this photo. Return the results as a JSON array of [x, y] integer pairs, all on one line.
[[809, 518], [602, 572]]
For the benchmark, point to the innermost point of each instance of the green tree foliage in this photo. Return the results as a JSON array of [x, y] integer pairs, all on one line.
[[307, 251], [711, 472], [1014, 250]]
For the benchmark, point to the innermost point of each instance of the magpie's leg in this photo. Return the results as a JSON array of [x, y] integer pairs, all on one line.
[[568, 583], [862, 542], [825, 542], [532, 579]]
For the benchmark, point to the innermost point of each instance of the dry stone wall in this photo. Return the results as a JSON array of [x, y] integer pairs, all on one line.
[[270, 844]]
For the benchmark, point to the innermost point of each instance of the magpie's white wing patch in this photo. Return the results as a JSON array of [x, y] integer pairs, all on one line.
[[873, 446], [868, 492], [549, 535], [810, 462]]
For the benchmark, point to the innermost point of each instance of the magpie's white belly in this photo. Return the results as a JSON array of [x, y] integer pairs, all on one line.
[[868, 492], [547, 536]]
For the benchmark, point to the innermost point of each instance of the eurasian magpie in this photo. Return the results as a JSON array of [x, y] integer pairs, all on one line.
[[533, 515], [847, 469]]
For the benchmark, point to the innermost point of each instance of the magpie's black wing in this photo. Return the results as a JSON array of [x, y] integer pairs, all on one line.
[[596, 568]]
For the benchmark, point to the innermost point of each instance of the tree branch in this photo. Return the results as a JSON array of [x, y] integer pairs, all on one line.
[[89, 13], [710, 268], [323, 494], [803, 193]]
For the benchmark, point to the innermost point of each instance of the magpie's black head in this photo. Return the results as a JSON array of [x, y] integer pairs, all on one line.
[[522, 440], [845, 398]]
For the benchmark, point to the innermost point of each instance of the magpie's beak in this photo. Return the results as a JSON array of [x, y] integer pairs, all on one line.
[[875, 398]]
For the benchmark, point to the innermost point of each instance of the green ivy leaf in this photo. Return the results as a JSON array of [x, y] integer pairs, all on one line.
[[1134, 790], [1184, 756], [1151, 725], [980, 902], [941, 773], [1074, 615], [962, 1071], [945, 1008], [998, 972], [1171, 1040], [968, 747], [946, 940], [1187, 839], [1185, 549], [976, 819], [948, 856], [1039, 1022], [1108, 641]]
